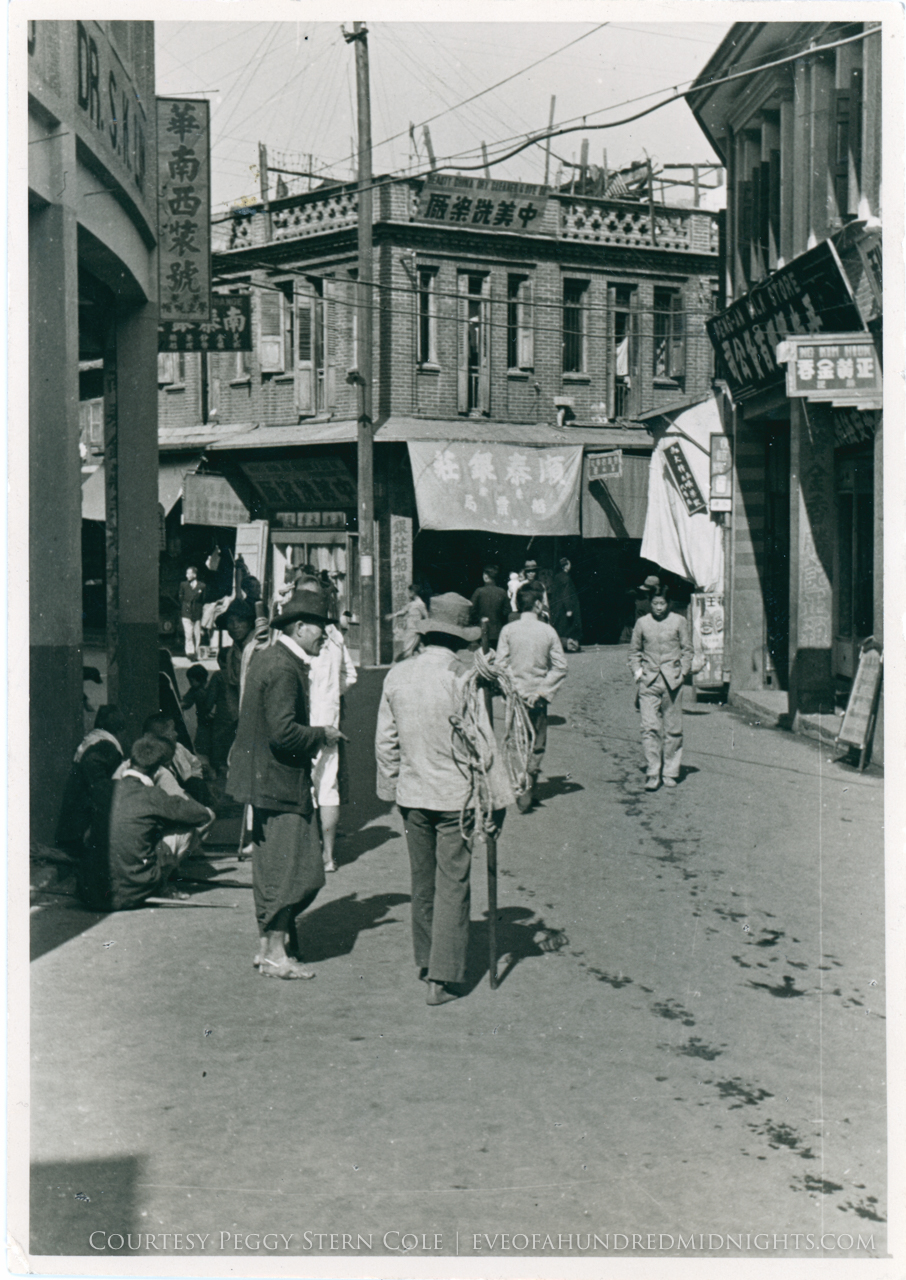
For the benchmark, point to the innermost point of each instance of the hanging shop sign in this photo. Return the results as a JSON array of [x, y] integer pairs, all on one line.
[[229, 329], [843, 368], [721, 498], [311, 519], [212, 500], [311, 485], [810, 296], [400, 562], [184, 208], [685, 481], [483, 203], [604, 466], [497, 487]]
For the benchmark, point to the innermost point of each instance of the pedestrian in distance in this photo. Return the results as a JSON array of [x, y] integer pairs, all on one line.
[[532, 580], [191, 607], [529, 650], [412, 614], [660, 658], [566, 612], [491, 603], [270, 770], [332, 674], [418, 769]]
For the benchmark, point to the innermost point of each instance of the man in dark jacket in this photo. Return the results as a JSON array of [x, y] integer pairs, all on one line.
[[566, 614], [270, 769], [140, 815], [492, 602]]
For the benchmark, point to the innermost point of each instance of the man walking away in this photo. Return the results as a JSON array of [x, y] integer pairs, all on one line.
[[191, 607], [270, 769], [660, 658], [417, 769], [491, 602], [566, 615], [530, 650]]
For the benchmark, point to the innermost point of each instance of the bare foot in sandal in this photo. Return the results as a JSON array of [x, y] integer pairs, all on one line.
[[287, 969]]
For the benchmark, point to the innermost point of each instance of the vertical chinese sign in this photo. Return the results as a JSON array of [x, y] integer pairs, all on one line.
[[400, 564], [184, 209]]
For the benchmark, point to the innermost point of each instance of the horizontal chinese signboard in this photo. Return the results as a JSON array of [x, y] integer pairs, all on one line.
[[604, 465], [229, 329], [844, 369], [685, 481], [184, 209], [810, 296], [498, 487], [482, 202], [212, 500], [721, 473], [303, 486]]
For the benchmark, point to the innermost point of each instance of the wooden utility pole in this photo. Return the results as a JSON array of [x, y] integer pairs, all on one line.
[[583, 166], [264, 181], [368, 628], [426, 134], [484, 157], [547, 144]]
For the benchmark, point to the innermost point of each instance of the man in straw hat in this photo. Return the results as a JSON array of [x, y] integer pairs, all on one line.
[[417, 768], [270, 770]]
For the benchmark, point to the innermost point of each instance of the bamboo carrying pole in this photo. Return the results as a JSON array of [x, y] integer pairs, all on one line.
[[490, 843]]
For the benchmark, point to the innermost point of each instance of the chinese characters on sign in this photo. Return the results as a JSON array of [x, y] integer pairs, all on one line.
[[311, 519], [602, 466], [184, 209], [400, 560], [809, 296], [211, 500], [721, 473], [229, 329], [301, 486], [482, 203], [845, 369], [684, 479], [501, 488]]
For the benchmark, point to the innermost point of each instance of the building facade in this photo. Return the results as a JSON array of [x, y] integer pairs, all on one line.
[[801, 140], [501, 314], [92, 311]]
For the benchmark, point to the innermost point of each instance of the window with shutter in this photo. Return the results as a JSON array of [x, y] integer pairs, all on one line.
[[520, 323], [574, 297], [426, 343], [270, 330], [669, 346], [473, 381], [304, 363], [330, 316], [166, 368]]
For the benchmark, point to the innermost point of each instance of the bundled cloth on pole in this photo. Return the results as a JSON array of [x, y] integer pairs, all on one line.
[[680, 534], [502, 488]]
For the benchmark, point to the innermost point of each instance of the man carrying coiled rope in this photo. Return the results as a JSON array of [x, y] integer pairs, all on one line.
[[437, 759]]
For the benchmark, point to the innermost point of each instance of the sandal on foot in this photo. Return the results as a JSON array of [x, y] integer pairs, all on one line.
[[330, 866], [286, 969], [438, 993]]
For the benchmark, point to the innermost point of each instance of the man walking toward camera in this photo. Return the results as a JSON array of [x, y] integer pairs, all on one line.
[[660, 658]]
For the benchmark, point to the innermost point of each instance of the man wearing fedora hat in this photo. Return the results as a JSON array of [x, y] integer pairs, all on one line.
[[417, 768], [270, 770]]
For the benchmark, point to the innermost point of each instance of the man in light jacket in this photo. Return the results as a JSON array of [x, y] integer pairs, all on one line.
[[660, 658], [418, 769], [530, 650]]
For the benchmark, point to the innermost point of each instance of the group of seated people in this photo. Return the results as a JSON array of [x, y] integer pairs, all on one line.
[[129, 821]]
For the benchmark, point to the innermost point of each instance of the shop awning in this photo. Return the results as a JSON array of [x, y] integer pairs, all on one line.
[[616, 506], [170, 477]]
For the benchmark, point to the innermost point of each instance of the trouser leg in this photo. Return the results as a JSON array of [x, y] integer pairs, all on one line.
[[188, 630], [652, 726], [673, 731], [538, 715], [421, 840], [450, 929]]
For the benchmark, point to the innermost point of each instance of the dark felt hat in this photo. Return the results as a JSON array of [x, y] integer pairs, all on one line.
[[308, 603], [449, 614]]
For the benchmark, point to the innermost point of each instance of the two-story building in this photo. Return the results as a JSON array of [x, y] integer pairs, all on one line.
[[503, 315], [799, 347]]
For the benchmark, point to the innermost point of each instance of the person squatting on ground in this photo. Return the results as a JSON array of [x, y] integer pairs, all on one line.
[[191, 607], [530, 651], [412, 614], [270, 770], [491, 602], [332, 673], [143, 817], [85, 812], [200, 695], [417, 769], [660, 658]]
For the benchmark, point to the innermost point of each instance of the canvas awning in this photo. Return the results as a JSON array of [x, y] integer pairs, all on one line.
[[170, 477]]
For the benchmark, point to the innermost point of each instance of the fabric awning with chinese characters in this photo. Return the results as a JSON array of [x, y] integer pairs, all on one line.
[[498, 488]]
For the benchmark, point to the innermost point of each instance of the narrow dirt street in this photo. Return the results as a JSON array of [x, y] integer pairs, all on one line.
[[688, 1037]]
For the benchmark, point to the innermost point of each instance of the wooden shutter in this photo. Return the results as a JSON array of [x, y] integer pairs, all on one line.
[[331, 345], [462, 363], [213, 381], [525, 319], [484, 348], [303, 302], [270, 330], [166, 367]]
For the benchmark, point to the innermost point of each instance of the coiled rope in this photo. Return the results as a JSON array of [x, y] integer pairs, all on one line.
[[474, 743]]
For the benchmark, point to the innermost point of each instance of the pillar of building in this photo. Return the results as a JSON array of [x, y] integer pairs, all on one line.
[[55, 511], [132, 515], [747, 620], [812, 533]]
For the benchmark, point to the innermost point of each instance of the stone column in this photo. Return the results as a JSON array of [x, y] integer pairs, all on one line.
[[812, 534], [746, 596], [55, 515]]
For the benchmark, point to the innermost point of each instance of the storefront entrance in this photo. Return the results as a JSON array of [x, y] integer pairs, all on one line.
[[854, 568]]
